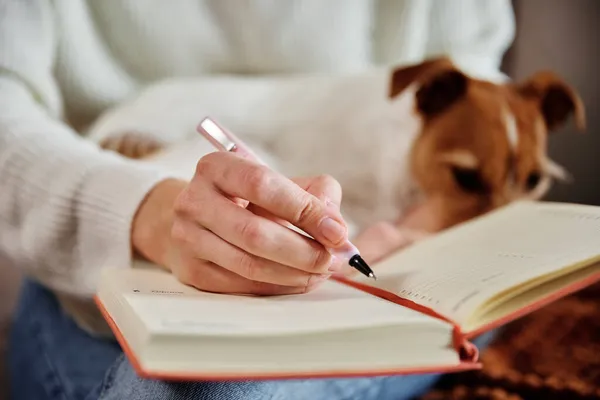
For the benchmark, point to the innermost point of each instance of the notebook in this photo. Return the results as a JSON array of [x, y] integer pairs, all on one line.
[[430, 300]]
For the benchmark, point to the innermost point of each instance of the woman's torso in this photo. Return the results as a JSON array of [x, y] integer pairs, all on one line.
[[108, 49]]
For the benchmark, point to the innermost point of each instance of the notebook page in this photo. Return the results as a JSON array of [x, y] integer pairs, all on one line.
[[166, 306], [456, 271]]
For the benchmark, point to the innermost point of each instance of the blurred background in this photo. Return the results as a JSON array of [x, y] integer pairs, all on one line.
[[563, 36], [560, 35]]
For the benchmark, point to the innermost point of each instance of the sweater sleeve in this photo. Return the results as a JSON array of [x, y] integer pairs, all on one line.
[[474, 33], [66, 206]]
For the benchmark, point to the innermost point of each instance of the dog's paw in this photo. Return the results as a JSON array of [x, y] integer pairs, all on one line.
[[381, 239], [132, 145], [412, 235]]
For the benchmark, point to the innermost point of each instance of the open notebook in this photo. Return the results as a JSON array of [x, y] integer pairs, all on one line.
[[419, 316]]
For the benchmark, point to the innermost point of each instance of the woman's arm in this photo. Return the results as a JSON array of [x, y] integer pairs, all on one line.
[[66, 208]]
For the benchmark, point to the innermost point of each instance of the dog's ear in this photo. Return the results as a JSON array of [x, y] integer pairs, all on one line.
[[439, 82], [402, 77], [556, 100], [440, 91]]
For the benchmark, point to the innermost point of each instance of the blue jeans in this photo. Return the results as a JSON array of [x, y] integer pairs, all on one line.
[[50, 358]]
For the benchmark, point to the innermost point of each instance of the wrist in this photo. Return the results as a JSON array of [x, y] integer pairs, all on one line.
[[151, 227]]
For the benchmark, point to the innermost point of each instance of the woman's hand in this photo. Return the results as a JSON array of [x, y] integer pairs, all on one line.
[[224, 231]]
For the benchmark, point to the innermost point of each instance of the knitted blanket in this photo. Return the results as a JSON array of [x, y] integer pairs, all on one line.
[[553, 353]]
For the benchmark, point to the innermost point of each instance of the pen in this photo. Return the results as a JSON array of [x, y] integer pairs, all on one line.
[[224, 140]]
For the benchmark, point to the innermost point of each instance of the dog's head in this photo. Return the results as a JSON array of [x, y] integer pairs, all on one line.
[[483, 145]]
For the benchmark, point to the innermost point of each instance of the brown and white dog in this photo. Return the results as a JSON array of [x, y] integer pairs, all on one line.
[[426, 137]]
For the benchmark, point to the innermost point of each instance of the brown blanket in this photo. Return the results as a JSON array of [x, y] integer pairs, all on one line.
[[553, 353]]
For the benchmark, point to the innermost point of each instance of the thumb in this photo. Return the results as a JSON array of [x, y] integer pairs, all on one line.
[[324, 187]]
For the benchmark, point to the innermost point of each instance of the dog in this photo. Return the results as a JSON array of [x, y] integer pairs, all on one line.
[[421, 147]]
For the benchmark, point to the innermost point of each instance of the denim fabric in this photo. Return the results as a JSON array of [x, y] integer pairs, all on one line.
[[50, 358]]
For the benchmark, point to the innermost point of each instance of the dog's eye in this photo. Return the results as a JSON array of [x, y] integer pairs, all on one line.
[[469, 180], [533, 179]]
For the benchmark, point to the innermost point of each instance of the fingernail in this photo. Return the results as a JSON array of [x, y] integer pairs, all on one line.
[[335, 265], [332, 230]]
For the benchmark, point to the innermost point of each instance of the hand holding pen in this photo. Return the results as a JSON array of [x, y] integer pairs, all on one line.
[[198, 230], [226, 141]]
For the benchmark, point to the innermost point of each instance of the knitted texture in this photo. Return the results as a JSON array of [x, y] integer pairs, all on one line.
[[66, 207], [552, 354]]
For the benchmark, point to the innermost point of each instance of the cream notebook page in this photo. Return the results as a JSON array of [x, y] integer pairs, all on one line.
[[172, 327], [166, 306], [505, 253]]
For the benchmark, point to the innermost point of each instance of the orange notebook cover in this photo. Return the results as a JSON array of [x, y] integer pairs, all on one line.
[[450, 288], [469, 363], [466, 354]]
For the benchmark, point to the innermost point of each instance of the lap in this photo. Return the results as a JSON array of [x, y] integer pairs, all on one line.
[[126, 384], [51, 358]]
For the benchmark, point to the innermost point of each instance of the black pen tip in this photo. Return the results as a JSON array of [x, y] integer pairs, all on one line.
[[361, 265]]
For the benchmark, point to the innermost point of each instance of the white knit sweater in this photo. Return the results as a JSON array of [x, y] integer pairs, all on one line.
[[65, 206]]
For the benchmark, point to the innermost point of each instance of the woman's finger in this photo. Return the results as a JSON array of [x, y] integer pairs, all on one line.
[[207, 246], [261, 212], [253, 234], [275, 193], [324, 187], [207, 276]]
